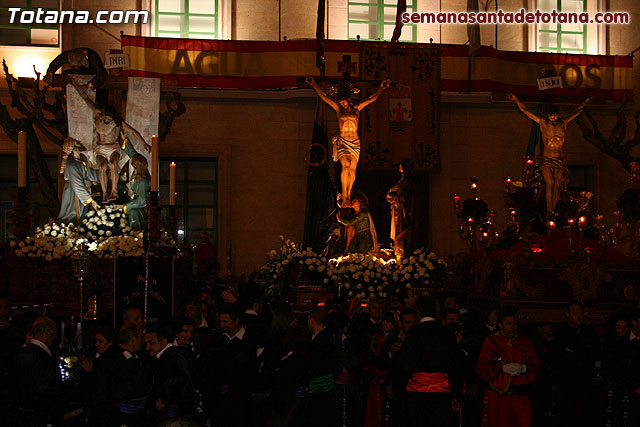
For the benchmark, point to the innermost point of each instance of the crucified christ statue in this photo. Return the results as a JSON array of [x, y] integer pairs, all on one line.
[[346, 147], [108, 128], [552, 165]]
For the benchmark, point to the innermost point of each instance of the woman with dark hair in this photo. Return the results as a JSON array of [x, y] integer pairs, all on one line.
[[360, 233], [138, 187]]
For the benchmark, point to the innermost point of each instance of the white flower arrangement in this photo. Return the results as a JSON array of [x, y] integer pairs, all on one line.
[[356, 275], [105, 239]]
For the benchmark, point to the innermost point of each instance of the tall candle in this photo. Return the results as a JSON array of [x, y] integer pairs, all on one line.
[[22, 159], [172, 184], [155, 162]]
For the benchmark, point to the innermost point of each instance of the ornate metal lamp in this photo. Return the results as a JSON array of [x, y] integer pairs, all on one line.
[[81, 264]]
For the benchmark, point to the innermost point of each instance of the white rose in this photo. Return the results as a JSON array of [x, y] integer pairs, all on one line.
[[13, 243], [407, 276], [325, 280], [100, 232], [19, 252], [54, 233], [109, 233], [359, 286]]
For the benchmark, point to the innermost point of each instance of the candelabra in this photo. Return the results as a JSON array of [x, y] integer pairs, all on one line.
[[81, 264], [476, 222]]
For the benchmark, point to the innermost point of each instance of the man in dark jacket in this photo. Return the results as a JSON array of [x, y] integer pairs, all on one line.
[[430, 364], [172, 392], [635, 369], [323, 366], [36, 376], [575, 351]]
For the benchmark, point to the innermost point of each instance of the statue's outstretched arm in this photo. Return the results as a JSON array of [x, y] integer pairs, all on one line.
[[524, 110], [578, 110], [130, 129], [385, 84], [84, 96], [333, 104]]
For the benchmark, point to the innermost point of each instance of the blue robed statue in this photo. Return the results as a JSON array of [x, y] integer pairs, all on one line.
[[78, 176]]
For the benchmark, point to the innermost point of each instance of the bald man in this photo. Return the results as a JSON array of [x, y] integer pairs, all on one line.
[[36, 376]]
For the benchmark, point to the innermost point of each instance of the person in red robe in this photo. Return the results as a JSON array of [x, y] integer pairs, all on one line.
[[206, 257], [509, 364]]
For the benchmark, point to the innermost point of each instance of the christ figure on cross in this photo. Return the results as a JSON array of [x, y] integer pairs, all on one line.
[[346, 146], [553, 129]]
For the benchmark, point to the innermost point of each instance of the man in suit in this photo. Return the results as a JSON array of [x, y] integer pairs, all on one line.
[[172, 391], [430, 370], [323, 365], [236, 369], [576, 349], [635, 369], [36, 376]]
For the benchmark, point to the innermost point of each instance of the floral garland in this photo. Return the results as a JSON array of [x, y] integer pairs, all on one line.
[[105, 233], [362, 276]]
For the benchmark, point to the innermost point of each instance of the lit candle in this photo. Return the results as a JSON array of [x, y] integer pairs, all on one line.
[[571, 222], [582, 222], [635, 172], [474, 185], [618, 216], [155, 161], [22, 159], [514, 216], [172, 184], [456, 202], [599, 219], [551, 225], [507, 185]]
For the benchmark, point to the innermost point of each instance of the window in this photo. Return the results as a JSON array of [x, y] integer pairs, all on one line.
[[580, 179], [196, 198], [563, 38], [568, 38], [18, 34], [376, 19], [193, 19]]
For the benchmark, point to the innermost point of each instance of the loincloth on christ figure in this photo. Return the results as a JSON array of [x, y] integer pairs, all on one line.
[[557, 167], [344, 147], [104, 150]]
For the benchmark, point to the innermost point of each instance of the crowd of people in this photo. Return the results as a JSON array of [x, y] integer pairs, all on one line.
[[234, 359]]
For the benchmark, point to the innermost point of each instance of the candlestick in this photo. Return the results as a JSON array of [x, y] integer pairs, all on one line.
[[22, 159], [155, 162], [551, 225], [62, 334], [456, 202], [474, 186], [635, 172], [582, 223], [172, 184], [507, 185]]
